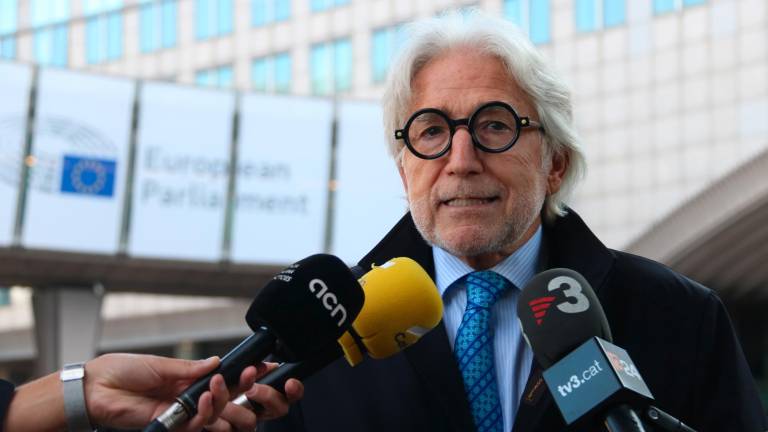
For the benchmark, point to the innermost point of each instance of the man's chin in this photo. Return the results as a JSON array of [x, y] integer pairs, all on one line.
[[467, 241]]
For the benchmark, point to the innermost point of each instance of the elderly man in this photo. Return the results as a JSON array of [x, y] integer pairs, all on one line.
[[482, 134]]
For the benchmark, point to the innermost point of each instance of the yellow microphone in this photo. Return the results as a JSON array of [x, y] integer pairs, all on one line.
[[401, 305]]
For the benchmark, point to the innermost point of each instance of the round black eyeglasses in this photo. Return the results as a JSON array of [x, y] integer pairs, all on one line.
[[494, 127]]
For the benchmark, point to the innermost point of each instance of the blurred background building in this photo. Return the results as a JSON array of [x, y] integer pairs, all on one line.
[[671, 98]]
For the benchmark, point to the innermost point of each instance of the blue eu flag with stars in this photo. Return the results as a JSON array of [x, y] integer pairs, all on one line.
[[88, 176]]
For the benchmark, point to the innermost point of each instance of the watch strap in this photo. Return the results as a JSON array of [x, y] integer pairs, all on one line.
[[74, 397]]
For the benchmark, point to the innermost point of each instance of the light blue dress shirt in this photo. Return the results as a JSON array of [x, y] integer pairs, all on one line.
[[512, 355]]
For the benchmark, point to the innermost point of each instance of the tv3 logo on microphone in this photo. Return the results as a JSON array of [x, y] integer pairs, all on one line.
[[576, 301], [328, 300]]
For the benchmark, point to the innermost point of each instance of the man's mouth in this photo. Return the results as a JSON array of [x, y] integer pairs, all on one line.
[[468, 202]]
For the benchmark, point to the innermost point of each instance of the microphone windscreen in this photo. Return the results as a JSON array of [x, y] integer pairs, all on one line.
[[401, 304], [308, 305], [558, 311]]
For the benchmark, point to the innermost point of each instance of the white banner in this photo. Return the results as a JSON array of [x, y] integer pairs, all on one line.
[[180, 182], [79, 155], [14, 88], [282, 178], [369, 194]]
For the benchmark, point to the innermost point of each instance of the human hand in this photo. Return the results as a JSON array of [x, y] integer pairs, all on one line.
[[274, 404], [130, 390]]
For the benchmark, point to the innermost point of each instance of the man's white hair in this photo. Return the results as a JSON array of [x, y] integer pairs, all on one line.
[[551, 98]]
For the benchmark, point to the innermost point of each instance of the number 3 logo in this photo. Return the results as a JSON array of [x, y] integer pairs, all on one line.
[[572, 291]]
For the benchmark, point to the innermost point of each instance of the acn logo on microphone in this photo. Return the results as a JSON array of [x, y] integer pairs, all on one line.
[[328, 300]]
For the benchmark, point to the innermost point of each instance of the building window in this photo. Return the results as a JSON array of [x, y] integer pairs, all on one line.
[[321, 5], [532, 15], [661, 6], [50, 34], [593, 15], [384, 44], [157, 24], [213, 18], [8, 25], [267, 11], [664, 6], [103, 30], [272, 73], [331, 67], [215, 77]]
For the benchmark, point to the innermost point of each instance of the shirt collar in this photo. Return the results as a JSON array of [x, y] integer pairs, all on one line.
[[519, 267]]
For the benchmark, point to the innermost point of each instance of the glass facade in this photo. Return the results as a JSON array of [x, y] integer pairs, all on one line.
[[267, 11], [586, 15], [221, 76], [321, 5], [103, 30], [535, 16], [614, 12], [384, 44], [157, 24], [8, 18], [213, 18], [50, 34], [272, 73], [663, 6], [331, 67], [592, 15]]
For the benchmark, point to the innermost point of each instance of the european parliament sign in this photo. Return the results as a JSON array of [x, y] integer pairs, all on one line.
[[158, 170], [280, 207], [180, 182], [77, 162]]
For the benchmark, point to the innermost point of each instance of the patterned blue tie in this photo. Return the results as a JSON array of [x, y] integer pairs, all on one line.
[[474, 349]]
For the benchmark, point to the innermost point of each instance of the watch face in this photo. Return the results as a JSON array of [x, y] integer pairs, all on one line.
[[76, 373]]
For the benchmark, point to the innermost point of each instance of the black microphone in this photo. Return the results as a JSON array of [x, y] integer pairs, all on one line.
[[589, 377], [401, 305], [298, 314]]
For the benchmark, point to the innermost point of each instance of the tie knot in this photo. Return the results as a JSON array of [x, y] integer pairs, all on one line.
[[485, 287]]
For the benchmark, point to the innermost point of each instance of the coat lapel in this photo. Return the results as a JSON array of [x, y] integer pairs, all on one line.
[[536, 400], [568, 243], [431, 358]]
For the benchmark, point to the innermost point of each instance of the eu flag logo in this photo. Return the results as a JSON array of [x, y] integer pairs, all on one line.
[[88, 176]]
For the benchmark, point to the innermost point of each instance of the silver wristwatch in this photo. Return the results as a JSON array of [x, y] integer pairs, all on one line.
[[74, 397]]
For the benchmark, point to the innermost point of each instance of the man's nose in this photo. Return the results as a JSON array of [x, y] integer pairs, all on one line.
[[464, 157]]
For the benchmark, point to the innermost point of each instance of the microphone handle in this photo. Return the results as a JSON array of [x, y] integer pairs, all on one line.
[[665, 421], [251, 350], [623, 419], [299, 370]]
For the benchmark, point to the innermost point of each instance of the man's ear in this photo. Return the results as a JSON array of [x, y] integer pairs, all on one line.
[[558, 168]]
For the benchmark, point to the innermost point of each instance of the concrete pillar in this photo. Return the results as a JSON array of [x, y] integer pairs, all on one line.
[[67, 325]]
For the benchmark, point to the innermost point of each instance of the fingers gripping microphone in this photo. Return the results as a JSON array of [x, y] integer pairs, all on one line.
[[588, 376], [299, 313], [401, 304]]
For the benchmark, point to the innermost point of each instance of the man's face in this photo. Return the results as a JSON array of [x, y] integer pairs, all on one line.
[[478, 206]]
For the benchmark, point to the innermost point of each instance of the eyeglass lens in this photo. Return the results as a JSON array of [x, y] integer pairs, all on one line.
[[494, 127]]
